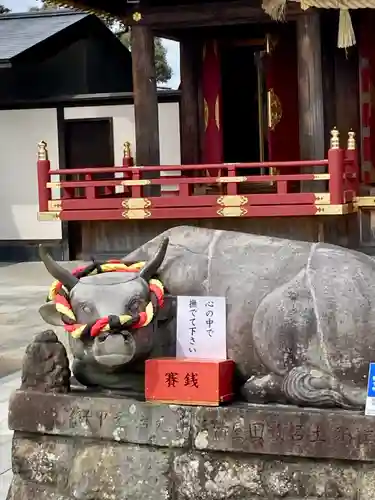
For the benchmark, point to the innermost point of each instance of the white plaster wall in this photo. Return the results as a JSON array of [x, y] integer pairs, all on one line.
[[169, 139], [20, 132], [169, 133], [124, 128]]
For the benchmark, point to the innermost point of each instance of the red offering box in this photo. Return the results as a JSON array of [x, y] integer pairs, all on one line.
[[189, 381]]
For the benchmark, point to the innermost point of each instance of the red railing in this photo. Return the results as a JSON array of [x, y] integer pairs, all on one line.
[[196, 192]]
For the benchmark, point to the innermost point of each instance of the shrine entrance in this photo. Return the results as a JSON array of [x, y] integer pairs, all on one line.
[[250, 93], [244, 108]]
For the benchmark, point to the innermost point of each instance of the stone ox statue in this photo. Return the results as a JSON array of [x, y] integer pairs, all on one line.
[[300, 321]]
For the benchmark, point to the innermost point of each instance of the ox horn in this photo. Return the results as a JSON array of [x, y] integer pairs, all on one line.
[[57, 271], [151, 268]]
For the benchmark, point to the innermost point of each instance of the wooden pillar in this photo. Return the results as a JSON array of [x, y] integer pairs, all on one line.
[[145, 96], [341, 86], [310, 92], [329, 41], [347, 90], [189, 108]]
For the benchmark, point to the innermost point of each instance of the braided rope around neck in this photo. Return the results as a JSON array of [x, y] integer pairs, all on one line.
[[59, 295]]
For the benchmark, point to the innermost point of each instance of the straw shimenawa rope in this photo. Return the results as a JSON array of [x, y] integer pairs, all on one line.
[[275, 9], [80, 6], [346, 36], [60, 297]]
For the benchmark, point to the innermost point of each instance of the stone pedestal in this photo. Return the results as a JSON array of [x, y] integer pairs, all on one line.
[[90, 447]]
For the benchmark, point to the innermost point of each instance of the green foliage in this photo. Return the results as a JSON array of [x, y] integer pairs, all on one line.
[[162, 68], [4, 10]]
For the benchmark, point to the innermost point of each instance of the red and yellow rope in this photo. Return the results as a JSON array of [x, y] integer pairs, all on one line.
[[60, 297]]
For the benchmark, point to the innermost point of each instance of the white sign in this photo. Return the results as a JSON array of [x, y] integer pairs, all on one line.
[[370, 400], [201, 327]]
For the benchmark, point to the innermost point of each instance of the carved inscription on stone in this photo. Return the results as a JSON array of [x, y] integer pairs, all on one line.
[[128, 421], [90, 420], [79, 418], [140, 420], [256, 432], [273, 431], [307, 433], [132, 424]]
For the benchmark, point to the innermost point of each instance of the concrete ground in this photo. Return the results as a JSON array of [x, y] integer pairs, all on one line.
[[23, 288]]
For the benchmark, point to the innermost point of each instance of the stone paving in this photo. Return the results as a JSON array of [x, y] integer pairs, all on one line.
[[7, 386], [23, 288]]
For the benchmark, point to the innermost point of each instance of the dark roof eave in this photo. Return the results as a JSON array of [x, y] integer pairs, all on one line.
[[114, 9]]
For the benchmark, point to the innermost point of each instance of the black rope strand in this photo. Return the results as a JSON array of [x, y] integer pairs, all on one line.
[[114, 322]]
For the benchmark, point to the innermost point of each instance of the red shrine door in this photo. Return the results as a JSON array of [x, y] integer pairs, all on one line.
[[212, 102], [281, 74], [237, 90]]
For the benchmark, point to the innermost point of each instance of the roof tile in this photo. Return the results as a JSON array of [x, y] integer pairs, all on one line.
[[19, 32]]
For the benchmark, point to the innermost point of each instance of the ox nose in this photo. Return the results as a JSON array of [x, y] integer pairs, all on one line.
[[114, 349], [104, 335]]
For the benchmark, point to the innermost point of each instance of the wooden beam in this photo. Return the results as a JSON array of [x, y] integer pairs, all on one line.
[[145, 99], [310, 90], [189, 108], [206, 14]]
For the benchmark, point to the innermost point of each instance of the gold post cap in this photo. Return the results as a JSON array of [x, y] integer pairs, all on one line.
[[127, 150], [335, 139], [42, 150], [351, 140]]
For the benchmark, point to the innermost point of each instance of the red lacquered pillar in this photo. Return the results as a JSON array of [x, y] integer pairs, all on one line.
[[352, 166], [336, 169]]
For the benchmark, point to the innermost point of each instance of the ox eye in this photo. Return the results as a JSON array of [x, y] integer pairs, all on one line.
[[134, 306], [86, 309]]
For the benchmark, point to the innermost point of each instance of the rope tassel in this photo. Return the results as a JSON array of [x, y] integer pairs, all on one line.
[[346, 35], [60, 297]]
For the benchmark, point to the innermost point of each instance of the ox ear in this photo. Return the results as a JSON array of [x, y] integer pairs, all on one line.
[[50, 315]]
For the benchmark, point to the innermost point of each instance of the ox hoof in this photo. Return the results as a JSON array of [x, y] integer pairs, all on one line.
[[265, 389], [308, 386]]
